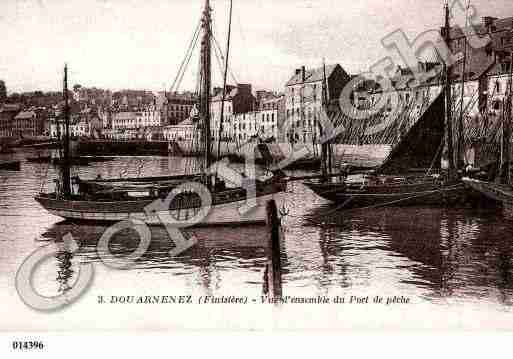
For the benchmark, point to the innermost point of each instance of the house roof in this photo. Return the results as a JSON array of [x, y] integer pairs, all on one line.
[[10, 107], [229, 95], [25, 115], [312, 75], [480, 29]]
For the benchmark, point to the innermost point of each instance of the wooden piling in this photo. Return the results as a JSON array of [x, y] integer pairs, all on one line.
[[273, 277]]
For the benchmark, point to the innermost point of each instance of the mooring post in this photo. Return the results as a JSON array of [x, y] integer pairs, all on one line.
[[274, 284]]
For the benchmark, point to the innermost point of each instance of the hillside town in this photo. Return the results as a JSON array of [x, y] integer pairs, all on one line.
[[248, 113]]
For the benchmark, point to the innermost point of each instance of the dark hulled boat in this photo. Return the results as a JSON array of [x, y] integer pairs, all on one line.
[[395, 182]]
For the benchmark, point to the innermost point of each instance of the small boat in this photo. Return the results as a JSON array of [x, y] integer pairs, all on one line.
[[74, 161], [10, 165], [113, 200]]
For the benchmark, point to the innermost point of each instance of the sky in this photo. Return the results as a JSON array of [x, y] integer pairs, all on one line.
[[136, 44]]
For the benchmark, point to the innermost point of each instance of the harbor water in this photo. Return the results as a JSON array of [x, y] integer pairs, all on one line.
[[449, 268]]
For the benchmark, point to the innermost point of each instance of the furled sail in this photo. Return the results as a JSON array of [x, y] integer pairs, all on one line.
[[421, 147]]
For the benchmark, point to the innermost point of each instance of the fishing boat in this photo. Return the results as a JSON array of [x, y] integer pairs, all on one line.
[[126, 199], [398, 181]]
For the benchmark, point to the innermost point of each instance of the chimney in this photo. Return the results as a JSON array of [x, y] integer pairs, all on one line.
[[303, 74]]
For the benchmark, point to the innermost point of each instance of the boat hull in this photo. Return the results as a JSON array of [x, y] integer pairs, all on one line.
[[219, 214], [497, 193], [423, 194], [76, 161]]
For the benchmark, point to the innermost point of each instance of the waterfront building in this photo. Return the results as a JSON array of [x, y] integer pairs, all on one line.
[[55, 126], [238, 100], [184, 131], [86, 124], [148, 116], [271, 110], [7, 114], [124, 120], [175, 107], [30, 123], [303, 99], [141, 118]]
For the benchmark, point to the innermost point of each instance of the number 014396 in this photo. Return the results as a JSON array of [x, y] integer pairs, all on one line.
[[28, 345]]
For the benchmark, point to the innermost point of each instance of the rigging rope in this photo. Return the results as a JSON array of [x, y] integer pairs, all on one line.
[[188, 54]]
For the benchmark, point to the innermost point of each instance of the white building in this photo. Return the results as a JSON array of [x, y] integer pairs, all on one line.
[[184, 131], [145, 117]]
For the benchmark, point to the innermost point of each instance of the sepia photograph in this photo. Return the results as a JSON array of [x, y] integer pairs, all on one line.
[[179, 166]]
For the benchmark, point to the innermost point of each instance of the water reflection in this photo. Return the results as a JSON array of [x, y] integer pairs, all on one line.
[[65, 271], [450, 253], [438, 255], [218, 251]]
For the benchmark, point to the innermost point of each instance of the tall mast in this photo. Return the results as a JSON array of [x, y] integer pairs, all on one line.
[[224, 80], [206, 76], [448, 98], [66, 176], [505, 169], [325, 160], [461, 136]]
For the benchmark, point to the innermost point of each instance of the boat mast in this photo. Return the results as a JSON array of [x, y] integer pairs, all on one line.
[[206, 76], [66, 176], [326, 155], [461, 136], [224, 79], [505, 171], [448, 98]]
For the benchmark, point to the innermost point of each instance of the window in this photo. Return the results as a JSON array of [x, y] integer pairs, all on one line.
[[497, 87]]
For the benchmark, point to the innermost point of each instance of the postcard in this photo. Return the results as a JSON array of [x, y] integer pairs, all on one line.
[[177, 166]]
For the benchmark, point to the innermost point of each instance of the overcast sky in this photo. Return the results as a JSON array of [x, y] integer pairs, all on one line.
[[140, 44]]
